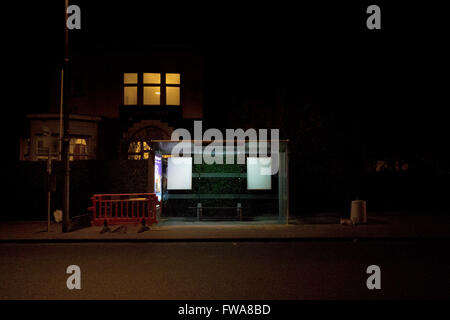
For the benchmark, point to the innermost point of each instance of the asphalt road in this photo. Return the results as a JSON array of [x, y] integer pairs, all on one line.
[[226, 270]]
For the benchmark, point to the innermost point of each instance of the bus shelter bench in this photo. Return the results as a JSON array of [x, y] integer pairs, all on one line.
[[200, 209]]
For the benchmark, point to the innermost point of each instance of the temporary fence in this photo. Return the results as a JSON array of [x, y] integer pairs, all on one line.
[[124, 208]]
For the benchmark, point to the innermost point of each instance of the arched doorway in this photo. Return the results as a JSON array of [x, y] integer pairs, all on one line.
[[136, 144]]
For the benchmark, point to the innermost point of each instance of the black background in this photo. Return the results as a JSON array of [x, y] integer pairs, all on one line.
[[395, 77], [385, 90]]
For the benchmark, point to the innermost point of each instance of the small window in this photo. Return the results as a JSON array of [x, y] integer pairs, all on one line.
[[130, 78], [173, 89], [46, 145], [138, 150], [130, 95], [152, 95], [152, 89], [78, 149], [130, 89], [152, 78], [172, 78], [173, 96], [42, 148]]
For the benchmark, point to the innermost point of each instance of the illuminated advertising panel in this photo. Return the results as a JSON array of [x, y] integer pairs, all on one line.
[[258, 173], [179, 173], [158, 176]]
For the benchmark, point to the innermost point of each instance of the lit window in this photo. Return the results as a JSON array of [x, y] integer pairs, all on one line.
[[172, 78], [151, 89], [130, 95], [173, 89], [152, 95], [130, 78], [173, 96], [78, 149], [152, 78], [138, 150], [130, 92]]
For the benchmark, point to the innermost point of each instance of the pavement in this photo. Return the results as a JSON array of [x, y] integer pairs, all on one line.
[[378, 227]]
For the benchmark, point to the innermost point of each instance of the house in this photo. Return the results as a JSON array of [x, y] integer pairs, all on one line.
[[119, 100]]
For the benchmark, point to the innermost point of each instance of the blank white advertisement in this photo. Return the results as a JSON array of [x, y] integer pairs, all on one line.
[[259, 173], [179, 173]]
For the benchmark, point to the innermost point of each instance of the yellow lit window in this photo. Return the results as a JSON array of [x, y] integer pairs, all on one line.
[[151, 89], [152, 78], [173, 89], [152, 95], [130, 95], [78, 149], [172, 78], [130, 78], [173, 96], [138, 150]]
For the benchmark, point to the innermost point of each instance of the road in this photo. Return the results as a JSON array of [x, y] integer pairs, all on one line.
[[226, 270]]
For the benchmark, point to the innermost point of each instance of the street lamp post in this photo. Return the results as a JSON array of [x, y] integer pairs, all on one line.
[[47, 142], [66, 139]]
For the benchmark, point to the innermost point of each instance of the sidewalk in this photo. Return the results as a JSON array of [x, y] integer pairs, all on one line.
[[378, 227]]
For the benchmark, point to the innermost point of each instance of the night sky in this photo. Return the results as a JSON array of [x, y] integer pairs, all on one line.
[[385, 87]]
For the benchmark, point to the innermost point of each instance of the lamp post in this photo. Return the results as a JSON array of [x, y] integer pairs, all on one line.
[[66, 139], [47, 134]]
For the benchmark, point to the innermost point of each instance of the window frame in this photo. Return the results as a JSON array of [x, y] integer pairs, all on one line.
[[172, 85], [153, 85], [124, 85], [163, 85]]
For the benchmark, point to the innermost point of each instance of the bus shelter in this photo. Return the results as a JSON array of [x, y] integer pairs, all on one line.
[[242, 186]]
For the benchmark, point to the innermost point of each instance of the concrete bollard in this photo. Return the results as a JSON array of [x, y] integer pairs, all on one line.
[[199, 211], [239, 210]]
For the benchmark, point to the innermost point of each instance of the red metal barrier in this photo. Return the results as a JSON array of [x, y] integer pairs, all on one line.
[[124, 208]]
